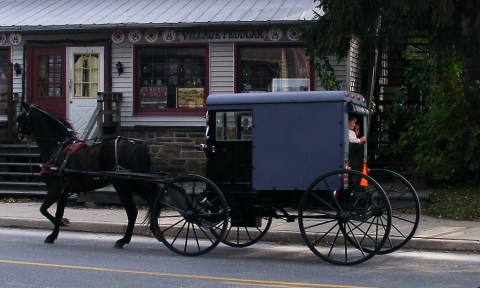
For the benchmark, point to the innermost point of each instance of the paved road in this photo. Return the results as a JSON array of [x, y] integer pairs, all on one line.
[[81, 259]]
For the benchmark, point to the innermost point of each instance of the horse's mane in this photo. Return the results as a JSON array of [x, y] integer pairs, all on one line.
[[60, 124]]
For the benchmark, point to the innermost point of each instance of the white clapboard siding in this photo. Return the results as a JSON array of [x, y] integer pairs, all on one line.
[[221, 68], [123, 83], [17, 57], [355, 73]]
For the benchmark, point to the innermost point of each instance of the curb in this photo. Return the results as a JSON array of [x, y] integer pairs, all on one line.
[[438, 244], [279, 237]]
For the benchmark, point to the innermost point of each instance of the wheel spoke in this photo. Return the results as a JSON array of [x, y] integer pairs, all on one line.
[[405, 207], [341, 221], [199, 213]]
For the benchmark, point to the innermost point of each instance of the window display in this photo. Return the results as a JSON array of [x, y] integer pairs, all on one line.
[[272, 69], [170, 77]]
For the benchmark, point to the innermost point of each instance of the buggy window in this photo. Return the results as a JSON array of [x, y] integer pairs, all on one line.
[[233, 125]]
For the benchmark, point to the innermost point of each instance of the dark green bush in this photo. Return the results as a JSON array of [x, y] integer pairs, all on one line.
[[444, 134]]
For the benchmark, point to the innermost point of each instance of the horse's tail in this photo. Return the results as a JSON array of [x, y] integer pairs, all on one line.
[[140, 162], [140, 158]]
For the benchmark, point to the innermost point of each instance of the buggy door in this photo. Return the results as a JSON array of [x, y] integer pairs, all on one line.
[[230, 150]]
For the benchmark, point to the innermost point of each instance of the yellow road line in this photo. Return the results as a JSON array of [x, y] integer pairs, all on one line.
[[246, 282]]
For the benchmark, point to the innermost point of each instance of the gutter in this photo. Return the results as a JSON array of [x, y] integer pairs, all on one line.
[[143, 25]]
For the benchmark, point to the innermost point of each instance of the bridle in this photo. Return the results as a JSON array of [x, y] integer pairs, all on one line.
[[26, 118]]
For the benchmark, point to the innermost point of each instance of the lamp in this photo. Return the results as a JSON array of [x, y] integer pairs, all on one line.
[[119, 66], [17, 68]]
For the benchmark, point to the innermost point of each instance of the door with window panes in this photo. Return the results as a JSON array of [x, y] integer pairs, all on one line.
[[85, 78], [47, 87]]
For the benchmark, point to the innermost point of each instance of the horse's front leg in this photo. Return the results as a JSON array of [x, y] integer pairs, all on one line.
[[52, 196], [127, 201]]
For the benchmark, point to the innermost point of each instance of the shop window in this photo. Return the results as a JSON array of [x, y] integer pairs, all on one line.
[[4, 79], [3, 71], [273, 69], [170, 79]]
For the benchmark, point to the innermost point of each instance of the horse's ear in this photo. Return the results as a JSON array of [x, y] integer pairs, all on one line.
[[25, 106]]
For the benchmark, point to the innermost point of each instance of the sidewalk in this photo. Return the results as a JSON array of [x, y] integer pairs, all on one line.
[[432, 233]]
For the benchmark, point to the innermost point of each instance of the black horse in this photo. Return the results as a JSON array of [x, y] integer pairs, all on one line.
[[62, 151]]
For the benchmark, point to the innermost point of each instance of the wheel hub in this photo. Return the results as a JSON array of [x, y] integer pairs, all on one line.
[[343, 217]]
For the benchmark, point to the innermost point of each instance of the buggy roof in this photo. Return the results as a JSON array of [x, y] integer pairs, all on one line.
[[216, 100]]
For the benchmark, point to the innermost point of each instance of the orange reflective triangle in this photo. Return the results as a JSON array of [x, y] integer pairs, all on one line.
[[364, 181]]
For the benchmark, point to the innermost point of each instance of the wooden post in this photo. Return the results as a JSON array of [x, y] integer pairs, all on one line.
[[109, 122]]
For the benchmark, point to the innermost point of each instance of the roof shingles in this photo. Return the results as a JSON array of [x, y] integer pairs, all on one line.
[[58, 14]]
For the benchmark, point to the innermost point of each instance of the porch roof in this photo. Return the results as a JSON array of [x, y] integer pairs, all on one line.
[[34, 15]]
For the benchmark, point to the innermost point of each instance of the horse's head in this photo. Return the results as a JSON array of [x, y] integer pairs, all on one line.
[[35, 120], [24, 127]]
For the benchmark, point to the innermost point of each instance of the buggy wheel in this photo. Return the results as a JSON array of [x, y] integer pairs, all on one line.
[[344, 217], [190, 215], [405, 208], [238, 236]]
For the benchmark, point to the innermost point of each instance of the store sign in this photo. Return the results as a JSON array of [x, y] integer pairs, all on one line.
[[257, 34], [222, 35], [209, 35]]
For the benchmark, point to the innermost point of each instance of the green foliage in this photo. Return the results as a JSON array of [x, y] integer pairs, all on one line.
[[327, 76], [444, 135]]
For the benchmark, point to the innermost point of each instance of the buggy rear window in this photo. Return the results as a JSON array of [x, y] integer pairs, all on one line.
[[233, 125]]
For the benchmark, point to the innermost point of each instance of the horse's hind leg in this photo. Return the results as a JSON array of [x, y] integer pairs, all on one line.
[[61, 204], [126, 198]]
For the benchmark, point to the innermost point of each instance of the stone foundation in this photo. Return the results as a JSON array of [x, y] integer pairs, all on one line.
[[170, 157]]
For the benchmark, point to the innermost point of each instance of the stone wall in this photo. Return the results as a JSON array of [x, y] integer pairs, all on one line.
[[165, 150]]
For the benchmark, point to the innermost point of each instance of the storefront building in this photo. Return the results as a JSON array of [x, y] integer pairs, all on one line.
[[165, 57]]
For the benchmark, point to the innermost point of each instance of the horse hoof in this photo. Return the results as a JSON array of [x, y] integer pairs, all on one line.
[[49, 240], [118, 245], [64, 222]]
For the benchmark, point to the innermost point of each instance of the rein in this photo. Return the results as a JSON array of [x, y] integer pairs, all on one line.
[[68, 129]]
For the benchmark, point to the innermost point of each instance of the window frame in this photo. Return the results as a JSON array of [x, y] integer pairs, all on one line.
[[8, 70], [238, 75], [168, 111]]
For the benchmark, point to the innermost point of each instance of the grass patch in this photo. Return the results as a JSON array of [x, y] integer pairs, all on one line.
[[455, 203]]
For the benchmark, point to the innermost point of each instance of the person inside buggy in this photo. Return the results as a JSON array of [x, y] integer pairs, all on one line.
[[356, 144], [352, 134]]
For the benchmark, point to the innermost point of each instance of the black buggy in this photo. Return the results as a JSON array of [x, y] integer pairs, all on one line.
[[287, 155]]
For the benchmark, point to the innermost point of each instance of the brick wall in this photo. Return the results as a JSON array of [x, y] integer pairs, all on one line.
[[170, 157]]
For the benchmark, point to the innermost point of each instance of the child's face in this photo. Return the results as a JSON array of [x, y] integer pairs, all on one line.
[[351, 123], [356, 129]]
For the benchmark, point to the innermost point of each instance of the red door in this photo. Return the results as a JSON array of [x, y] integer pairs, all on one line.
[[47, 87]]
